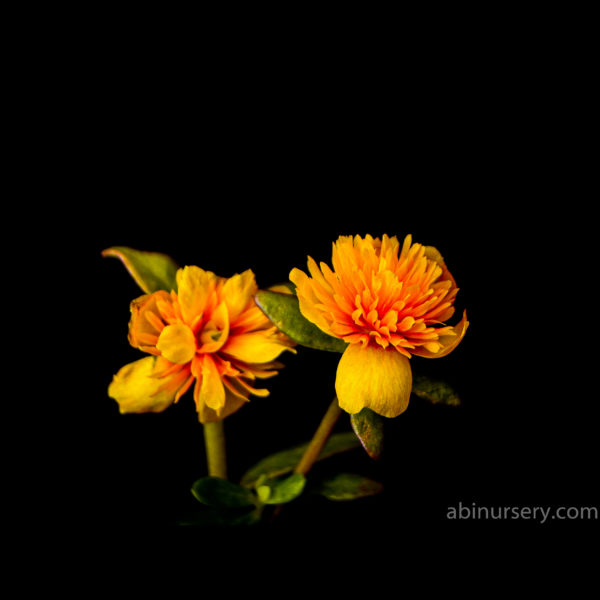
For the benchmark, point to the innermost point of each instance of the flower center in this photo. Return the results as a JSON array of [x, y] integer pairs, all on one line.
[[215, 332], [210, 335]]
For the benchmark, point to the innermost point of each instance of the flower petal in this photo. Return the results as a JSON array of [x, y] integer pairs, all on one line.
[[238, 292], [448, 342], [232, 404], [140, 326], [177, 343], [371, 377], [257, 346], [196, 289], [308, 299], [212, 392], [432, 253], [137, 389]]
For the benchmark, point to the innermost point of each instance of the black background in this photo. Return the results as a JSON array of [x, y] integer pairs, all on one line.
[[259, 165]]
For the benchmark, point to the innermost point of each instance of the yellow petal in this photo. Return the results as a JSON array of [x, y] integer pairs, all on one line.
[[238, 293], [177, 343], [370, 377], [232, 404], [212, 392], [256, 346], [282, 288], [137, 389], [447, 342], [196, 291]]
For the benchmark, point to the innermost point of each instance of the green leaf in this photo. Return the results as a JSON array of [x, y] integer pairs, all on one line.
[[220, 493], [348, 486], [285, 461], [284, 311], [434, 391], [152, 271], [368, 427], [280, 491]]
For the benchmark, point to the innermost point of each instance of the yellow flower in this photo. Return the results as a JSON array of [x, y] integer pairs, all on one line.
[[209, 334], [388, 303]]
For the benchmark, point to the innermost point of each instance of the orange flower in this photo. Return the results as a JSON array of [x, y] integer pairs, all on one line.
[[388, 304], [209, 334]]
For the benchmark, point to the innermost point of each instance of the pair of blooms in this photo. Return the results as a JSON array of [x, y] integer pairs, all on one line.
[[387, 301]]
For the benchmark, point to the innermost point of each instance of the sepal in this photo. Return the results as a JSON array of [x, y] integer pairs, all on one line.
[[152, 271], [347, 486], [368, 427], [283, 310], [434, 391]]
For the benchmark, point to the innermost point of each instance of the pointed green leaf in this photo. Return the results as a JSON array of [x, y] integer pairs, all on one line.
[[434, 391], [220, 493], [285, 461], [284, 311], [348, 486], [152, 271], [280, 491], [368, 427]]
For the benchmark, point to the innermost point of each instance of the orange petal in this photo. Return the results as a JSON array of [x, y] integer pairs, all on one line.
[[308, 299], [448, 342]]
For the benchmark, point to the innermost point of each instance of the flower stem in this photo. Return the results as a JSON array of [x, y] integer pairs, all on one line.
[[319, 439], [315, 445], [214, 440]]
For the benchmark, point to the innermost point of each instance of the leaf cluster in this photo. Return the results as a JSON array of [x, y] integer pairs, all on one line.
[[272, 482]]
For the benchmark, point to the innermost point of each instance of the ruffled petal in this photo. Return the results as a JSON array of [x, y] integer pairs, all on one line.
[[138, 389], [145, 323], [371, 377], [448, 342]]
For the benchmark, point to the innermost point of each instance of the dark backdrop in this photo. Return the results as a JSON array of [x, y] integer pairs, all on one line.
[[261, 174]]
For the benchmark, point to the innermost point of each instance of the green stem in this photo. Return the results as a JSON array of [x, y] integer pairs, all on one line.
[[319, 439], [214, 440], [315, 445]]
